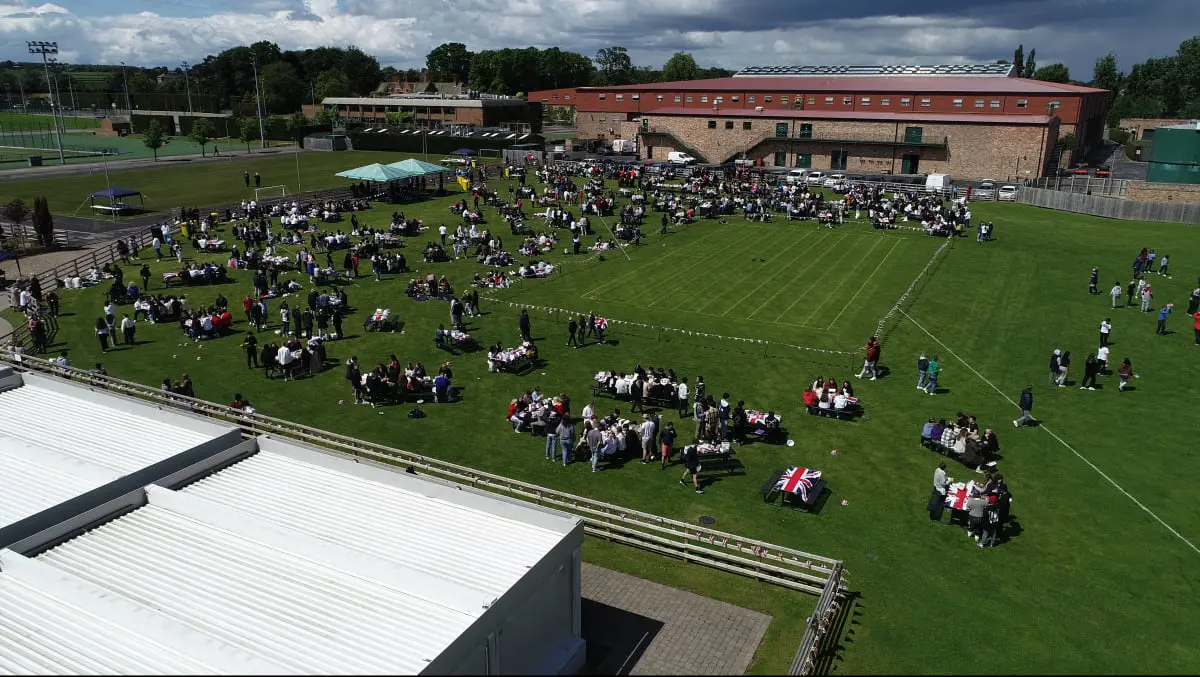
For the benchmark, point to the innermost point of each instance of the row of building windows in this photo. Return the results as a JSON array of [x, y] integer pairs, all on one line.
[[926, 102], [712, 124]]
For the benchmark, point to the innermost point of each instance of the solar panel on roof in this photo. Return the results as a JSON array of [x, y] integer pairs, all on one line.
[[988, 69]]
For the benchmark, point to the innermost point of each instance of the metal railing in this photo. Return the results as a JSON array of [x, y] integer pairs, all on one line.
[[818, 626], [766, 562], [1105, 186]]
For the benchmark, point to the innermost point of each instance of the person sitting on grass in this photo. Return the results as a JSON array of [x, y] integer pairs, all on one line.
[[810, 398]]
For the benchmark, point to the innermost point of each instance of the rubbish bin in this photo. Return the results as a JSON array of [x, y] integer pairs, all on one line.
[[35, 160]]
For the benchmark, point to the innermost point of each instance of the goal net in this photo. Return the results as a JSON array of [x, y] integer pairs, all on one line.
[[491, 152], [270, 193]]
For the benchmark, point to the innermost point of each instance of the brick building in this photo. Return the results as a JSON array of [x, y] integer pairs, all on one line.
[[969, 121], [439, 112]]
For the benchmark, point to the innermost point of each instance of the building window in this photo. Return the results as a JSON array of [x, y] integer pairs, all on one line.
[[678, 98], [958, 103], [979, 103], [904, 101], [729, 124], [554, 97], [812, 100], [603, 119], [913, 134], [636, 97], [805, 130], [865, 101], [704, 99], [719, 99], [567, 97], [781, 130], [780, 158], [620, 97], [766, 99], [995, 103], [804, 160], [736, 98], [885, 101], [689, 99], [846, 101], [603, 97], [838, 159], [659, 97], [829, 101], [749, 99], [783, 100], [712, 124], [1022, 103], [925, 102], [746, 126]]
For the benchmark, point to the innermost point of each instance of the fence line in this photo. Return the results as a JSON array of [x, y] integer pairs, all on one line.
[[1084, 185], [1110, 207]]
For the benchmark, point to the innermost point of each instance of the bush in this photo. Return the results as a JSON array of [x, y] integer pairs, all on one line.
[[1119, 136]]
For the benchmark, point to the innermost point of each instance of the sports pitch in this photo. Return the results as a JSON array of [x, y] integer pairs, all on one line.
[[1095, 575]]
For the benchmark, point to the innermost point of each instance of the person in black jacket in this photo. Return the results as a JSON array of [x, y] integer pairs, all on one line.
[[524, 324], [354, 376], [1026, 405], [691, 465], [1091, 367], [572, 329]]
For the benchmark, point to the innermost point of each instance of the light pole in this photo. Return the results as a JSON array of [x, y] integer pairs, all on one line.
[[188, 86], [21, 86], [262, 137], [56, 95], [45, 49], [71, 87], [125, 80]]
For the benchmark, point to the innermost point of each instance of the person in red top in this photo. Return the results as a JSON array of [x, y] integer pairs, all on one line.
[[246, 303], [1196, 326], [810, 398], [871, 361]]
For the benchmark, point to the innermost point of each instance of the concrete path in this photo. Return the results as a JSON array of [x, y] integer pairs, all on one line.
[[34, 265], [638, 627]]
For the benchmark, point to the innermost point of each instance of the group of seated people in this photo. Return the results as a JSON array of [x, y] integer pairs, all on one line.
[[435, 253], [657, 384], [390, 382], [403, 226], [208, 273], [159, 308], [209, 322], [535, 269], [493, 257], [294, 357], [538, 244], [535, 413], [511, 359], [961, 438], [493, 280], [824, 398], [419, 288]]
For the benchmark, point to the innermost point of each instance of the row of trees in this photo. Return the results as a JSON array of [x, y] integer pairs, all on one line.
[[1167, 87], [512, 71]]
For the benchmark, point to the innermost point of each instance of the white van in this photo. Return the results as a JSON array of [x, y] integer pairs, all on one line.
[[816, 178], [678, 158], [797, 176], [624, 146], [936, 183]]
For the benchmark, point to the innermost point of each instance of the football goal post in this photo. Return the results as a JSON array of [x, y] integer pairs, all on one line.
[[491, 152], [270, 193]]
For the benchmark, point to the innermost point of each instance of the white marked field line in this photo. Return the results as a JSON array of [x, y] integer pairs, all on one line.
[[1060, 440], [802, 295], [784, 267], [683, 249], [799, 275], [866, 258], [683, 279], [864, 286]]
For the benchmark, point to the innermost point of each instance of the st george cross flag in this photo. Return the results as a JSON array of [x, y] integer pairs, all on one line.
[[798, 481]]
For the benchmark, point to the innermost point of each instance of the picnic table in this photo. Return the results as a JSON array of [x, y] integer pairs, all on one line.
[[717, 456], [379, 320], [210, 245], [797, 488], [756, 426]]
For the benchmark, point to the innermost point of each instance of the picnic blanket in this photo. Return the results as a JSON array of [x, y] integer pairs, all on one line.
[[798, 481]]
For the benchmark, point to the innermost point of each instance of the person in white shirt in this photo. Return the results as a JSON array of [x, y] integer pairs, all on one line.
[[839, 401], [285, 359], [589, 411], [1105, 329], [1115, 293], [442, 231], [937, 499], [1102, 358], [682, 394], [536, 395]]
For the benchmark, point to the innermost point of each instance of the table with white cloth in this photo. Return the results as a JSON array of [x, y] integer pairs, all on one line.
[[379, 320], [717, 456], [756, 425], [210, 245], [461, 338], [514, 360]]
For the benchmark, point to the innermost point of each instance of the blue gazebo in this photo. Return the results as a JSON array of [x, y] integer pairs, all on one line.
[[115, 204]]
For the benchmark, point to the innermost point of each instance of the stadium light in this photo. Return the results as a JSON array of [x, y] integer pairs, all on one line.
[[47, 49], [262, 138], [188, 86], [128, 104]]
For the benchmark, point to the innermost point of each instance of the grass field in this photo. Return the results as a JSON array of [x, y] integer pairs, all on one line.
[[207, 183], [17, 121], [1094, 574]]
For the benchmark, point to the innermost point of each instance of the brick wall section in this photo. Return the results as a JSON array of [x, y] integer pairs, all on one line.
[[1137, 126], [1144, 191], [1000, 152]]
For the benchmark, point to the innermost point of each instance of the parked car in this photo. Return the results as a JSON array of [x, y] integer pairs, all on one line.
[[797, 176], [1103, 170], [985, 191], [677, 158], [833, 180], [816, 178], [935, 183], [1080, 171], [1007, 193]]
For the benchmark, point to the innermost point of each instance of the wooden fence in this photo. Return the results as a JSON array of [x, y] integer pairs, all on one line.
[[1110, 207]]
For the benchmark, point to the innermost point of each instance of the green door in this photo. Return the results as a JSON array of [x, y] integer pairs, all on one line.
[[780, 158], [912, 134], [805, 130], [804, 160], [910, 163], [781, 130]]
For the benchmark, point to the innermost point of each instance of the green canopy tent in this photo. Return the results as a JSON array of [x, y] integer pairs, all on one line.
[[420, 168], [378, 172]]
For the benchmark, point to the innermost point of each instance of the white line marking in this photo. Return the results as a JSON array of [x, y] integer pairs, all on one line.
[[1081, 457]]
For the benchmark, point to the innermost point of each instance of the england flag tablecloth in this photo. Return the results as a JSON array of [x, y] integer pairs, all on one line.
[[798, 481]]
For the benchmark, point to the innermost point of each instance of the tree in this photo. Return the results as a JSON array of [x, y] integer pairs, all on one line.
[[615, 66], [681, 66], [155, 137], [332, 82], [43, 222], [1106, 76], [398, 118], [449, 62], [1030, 69], [15, 211], [282, 88], [323, 118], [1055, 72], [201, 133], [363, 70], [1019, 61], [297, 125], [247, 131]]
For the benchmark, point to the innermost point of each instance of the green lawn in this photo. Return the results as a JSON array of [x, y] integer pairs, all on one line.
[[1086, 581], [16, 120], [207, 183]]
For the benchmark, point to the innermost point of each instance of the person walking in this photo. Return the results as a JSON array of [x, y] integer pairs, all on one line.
[[1162, 264], [691, 465], [1091, 367], [1025, 402], [991, 526], [102, 334], [931, 375], [354, 376], [1105, 330], [1124, 372], [647, 433], [667, 439], [1115, 293], [1054, 358], [922, 367], [1163, 312], [250, 345], [1094, 281], [523, 323], [937, 499], [1064, 366], [1131, 290]]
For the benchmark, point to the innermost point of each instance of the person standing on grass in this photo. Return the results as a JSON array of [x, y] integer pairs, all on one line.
[[931, 375], [1162, 264], [553, 419], [1150, 256], [1094, 282], [523, 323], [580, 331], [250, 345], [566, 437], [991, 526], [691, 465], [1102, 358], [1091, 367], [1025, 402], [1105, 330], [667, 438], [647, 432], [1115, 293], [870, 359], [1163, 312], [1196, 326], [922, 367], [635, 394], [681, 393], [127, 329], [1064, 365], [698, 416], [1054, 365], [1147, 298], [1124, 372], [1131, 289], [1194, 301], [937, 499], [145, 272], [594, 440]]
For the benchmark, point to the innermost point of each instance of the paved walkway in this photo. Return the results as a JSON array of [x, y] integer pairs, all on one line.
[[666, 631], [33, 265]]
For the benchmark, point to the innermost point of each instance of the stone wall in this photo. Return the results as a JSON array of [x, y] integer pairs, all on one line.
[[1144, 191], [1137, 126]]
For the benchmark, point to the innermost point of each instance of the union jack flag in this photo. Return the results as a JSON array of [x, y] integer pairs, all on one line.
[[798, 481]]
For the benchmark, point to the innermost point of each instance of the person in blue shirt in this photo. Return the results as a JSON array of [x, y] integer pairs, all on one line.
[[1162, 320], [927, 433]]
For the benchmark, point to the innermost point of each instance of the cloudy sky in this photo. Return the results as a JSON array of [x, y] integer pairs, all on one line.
[[728, 33]]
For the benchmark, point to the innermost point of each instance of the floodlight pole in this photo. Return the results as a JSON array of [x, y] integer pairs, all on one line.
[[188, 86], [262, 137], [71, 87], [128, 103], [45, 48], [21, 86]]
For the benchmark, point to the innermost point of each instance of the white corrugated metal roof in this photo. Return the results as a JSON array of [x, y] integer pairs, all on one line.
[[274, 593], [55, 446], [456, 545]]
